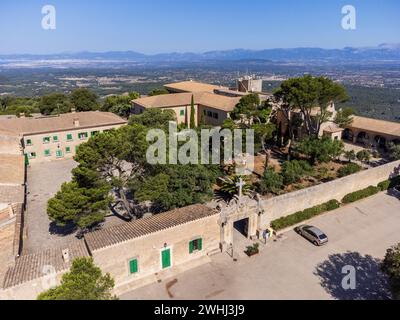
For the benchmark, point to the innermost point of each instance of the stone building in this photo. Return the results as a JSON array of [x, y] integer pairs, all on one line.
[[210, 108], [56, 137], [373, 132]]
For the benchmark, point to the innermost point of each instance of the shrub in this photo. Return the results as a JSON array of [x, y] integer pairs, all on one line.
[[349, 169], [388, 184], [364, 156], [322, 150], [293, 171], [361, 194], [270, 182], [306, 214]]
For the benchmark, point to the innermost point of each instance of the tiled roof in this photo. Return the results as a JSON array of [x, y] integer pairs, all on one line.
[[12, 169], [26, 126], [139, 228], [192, 86], [184, 99], [32, 266], [378, 126]]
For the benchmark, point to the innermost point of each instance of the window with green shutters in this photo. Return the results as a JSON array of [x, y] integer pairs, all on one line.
[[68, 149], [93, 133], [55, 138], [28, 142], [46, 140], [47, 153], [182, 112], [133, 266], [166, 258], [59, 154], [82, 135], [195, 245], [69, 137]]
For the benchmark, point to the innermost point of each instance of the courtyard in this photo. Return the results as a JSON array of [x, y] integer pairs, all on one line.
[[293, 268], [44, 180]]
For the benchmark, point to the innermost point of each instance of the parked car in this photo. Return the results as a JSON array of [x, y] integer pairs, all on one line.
[[313, 234]]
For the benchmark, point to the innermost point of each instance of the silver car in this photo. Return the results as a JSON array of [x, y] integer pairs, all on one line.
[[315, 235]]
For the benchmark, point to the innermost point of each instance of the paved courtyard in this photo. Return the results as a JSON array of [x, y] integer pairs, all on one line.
[[292, 268], [44, 180]]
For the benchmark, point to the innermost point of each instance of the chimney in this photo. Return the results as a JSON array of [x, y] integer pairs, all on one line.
[[73, 110], [76, 122], [65, 254]]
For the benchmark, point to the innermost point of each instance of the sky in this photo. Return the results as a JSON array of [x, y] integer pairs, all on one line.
[[159, 26]]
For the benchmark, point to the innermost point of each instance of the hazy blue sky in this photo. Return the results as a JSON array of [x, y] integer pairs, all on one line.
[[154, 26]]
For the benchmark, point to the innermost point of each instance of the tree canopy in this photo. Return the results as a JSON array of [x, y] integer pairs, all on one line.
[[84, 99], [309, 94], [84, 281]]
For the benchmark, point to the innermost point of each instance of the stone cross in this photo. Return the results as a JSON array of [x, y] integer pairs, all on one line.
[[240, 184]]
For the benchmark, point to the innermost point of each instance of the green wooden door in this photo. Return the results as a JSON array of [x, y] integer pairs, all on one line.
[[166, 258]]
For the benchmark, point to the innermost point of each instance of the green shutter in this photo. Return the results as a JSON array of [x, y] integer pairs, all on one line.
[[26, 160], [133, 266], [69, 137], [166, 258], [191, 247], [200, 244]]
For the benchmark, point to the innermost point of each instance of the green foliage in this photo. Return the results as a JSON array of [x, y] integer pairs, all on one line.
[[349, 169], [344, 117], [350, 155], [308, 93], [394, 151], [154, 118], [158, 92], [230, 185], [55, 103], [361, 194], [84, 281], [84, 207], [306, 214], [120, 104], [270, 182], [389, 184], [321, 150], [252, 250], [84, 100], [391, 267], [248, 105], [364, 156], [293, 171], [176, 186]]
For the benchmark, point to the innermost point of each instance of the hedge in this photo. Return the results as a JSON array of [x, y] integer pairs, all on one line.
[[361, 194], [388, 184], [306, 214]]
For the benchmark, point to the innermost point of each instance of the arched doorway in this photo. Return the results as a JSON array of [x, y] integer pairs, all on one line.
[[362, 137], [348, 135], [380, 141]]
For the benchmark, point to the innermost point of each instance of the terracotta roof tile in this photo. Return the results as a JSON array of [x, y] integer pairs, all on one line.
[[30, 267], [378, 126], [26, 126], [193, 86], [139, 228]]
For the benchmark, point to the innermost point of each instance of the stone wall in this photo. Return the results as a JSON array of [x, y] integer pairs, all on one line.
[[306, 198], [147, 250]]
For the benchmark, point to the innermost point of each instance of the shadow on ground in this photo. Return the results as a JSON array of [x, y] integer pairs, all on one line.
[[371, 283]]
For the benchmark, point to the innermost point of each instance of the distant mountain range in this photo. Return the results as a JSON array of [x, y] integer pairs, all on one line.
[[383, 52]]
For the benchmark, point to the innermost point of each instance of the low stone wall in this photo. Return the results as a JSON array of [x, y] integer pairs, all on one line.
[[289, 203]]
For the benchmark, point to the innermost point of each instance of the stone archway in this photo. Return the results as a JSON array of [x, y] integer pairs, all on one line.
[[348, 135], [362, 137], [380, 141]]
